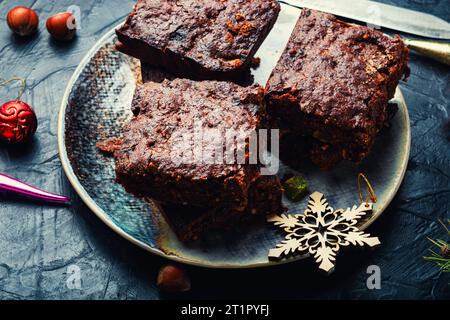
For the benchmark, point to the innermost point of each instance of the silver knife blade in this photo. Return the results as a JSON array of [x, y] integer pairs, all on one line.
[[379, 14]]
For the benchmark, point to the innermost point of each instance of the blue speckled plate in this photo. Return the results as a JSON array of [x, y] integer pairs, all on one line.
[[97, 103]]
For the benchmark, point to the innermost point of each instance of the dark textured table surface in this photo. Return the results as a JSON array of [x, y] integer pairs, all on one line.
[[40, 244]]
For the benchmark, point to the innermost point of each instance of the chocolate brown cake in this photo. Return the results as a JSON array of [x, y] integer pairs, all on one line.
[[332, 85], [198, 39], [192, 223], [154, 74], [174, 121]]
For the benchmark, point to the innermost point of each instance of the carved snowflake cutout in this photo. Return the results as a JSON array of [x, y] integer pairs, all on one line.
[[321, 231]]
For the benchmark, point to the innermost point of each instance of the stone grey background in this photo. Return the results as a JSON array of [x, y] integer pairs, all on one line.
[[38, 243]]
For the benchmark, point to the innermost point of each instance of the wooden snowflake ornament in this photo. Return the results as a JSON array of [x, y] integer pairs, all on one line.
[[321, 231]]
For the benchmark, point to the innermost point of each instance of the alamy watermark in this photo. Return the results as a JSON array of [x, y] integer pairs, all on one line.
[[373, 282], [73, 281], [75, 21], [374, 16], [212, 146]]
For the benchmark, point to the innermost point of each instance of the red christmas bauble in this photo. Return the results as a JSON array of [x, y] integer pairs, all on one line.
[[18, 122]]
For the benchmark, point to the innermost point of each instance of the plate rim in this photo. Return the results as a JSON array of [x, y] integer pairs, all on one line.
[[101, 214]]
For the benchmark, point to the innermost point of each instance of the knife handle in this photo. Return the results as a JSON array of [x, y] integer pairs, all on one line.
[[435, 50]]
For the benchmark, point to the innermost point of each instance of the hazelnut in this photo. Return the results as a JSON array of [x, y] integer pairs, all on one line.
[[22, 21], [173, 279], [62, 26]]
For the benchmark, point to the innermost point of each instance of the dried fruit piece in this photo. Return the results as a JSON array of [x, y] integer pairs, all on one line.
[[295, 188]]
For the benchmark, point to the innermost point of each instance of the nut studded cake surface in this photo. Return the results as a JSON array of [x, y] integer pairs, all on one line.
[[265, 195], [333, 83], [174, 120], [200, 39]]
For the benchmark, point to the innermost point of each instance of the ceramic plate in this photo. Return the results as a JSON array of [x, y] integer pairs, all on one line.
[[97, 103]]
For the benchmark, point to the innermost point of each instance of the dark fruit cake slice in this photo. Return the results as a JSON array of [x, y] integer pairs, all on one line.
[[192, 223], [332, 85], [198, 39], [174, 150]]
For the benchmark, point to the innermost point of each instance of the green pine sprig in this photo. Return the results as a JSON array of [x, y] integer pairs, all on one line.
[[441, 259]]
